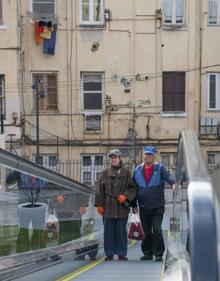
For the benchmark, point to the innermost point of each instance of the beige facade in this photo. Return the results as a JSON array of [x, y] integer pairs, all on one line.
[[125, 73]]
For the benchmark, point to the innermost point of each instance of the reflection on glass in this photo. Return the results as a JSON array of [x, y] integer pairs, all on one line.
[[38, 214]]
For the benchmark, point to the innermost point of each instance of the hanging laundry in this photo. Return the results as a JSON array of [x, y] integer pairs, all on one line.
[[47, 33], [38, 39], [49, 44], [41, 26]]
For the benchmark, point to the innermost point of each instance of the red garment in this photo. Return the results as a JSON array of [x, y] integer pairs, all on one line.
[[147, 172], [37, 37]]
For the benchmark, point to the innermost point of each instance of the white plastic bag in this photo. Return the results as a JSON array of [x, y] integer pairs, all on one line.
[[135, 230], [51, 227]]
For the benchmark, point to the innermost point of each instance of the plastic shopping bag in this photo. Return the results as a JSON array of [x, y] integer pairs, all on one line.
[[135, 230], [51, 227]]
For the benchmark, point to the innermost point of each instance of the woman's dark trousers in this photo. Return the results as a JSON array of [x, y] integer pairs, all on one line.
[[115, 236], [151, 220]]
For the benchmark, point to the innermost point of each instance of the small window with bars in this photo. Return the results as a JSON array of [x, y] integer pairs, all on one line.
[[93, 123], [44, 7]]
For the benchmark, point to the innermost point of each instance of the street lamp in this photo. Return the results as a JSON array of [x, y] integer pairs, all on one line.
[[39, 94]]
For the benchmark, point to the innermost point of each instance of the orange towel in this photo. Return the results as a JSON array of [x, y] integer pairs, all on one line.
[[38, 39]]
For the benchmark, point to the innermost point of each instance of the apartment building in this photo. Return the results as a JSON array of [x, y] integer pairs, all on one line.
[[79, 77]]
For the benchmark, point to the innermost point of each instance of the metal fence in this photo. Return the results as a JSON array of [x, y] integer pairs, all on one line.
[[87, 173]]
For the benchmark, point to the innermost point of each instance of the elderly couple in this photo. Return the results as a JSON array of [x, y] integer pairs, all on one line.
[[116, 191]]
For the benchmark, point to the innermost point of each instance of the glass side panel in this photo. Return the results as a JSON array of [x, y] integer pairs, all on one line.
[[38, 215]]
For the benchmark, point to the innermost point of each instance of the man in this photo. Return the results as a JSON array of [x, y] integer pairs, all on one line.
[[150, 177], [114, 191]]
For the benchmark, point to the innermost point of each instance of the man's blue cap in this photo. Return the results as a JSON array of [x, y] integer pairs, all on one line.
[[150, 149]]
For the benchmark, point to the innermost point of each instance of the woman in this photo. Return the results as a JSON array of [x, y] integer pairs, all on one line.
[[114, 191]]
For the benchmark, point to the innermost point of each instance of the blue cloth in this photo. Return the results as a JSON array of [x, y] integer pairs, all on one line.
[[151, 195], [49, 44], [115, 236], [150, 149]]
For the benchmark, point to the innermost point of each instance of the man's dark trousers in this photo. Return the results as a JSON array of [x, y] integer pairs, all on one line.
[[151, 220], [115, 236]]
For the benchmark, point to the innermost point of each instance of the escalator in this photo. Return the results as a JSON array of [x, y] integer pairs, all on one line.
[[191, 226]]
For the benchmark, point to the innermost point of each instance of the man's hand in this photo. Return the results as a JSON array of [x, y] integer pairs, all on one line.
[[100, 210], [121, 198], [82, 210]]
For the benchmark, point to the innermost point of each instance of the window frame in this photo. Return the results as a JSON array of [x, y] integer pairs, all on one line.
[[32, 10], [46, 161], [174, 110], [45, 75], [217, 89], [91, 111], [216, 157], [91, 22], [1, 13], [174, 15], [2, 96], [217, 9], [172, 159], [94, 169]]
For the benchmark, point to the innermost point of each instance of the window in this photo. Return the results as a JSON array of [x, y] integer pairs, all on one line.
[[212, 159], [48, 161], [213, 88], [168, 160], [93, 123], [92, 91], [48, 88], [173, 92], [91, 168], [213, 12], [43, 7], [1, 14], [2, 96], [174, 11], [91, 12]]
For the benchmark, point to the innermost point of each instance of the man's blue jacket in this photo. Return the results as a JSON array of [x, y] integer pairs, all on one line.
[[151, 195]]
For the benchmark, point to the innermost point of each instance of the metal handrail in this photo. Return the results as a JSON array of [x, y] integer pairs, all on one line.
[[201, 207], [20, 164]]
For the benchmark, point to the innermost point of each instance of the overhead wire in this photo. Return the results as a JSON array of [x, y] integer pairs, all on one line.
[[112, 81]]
